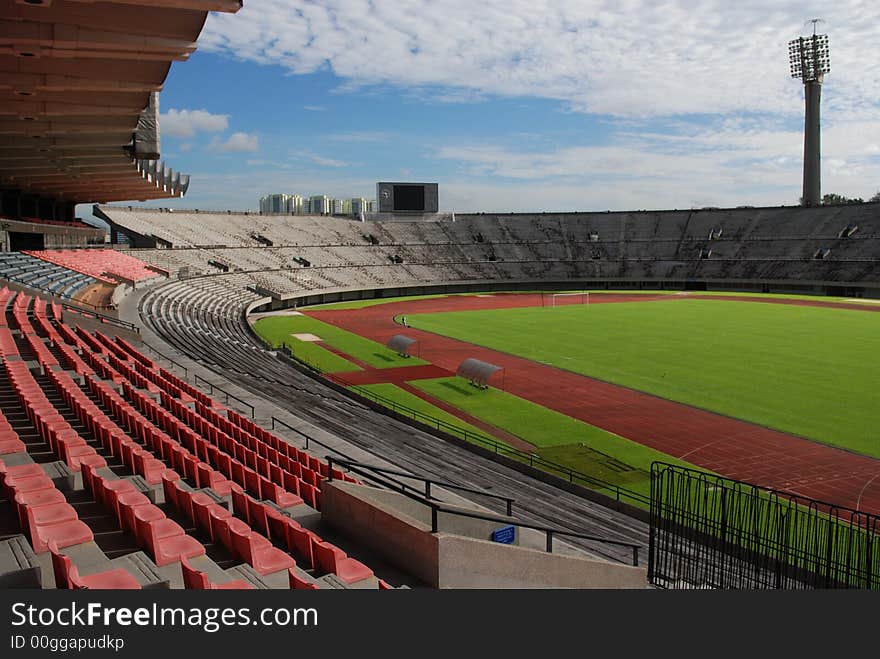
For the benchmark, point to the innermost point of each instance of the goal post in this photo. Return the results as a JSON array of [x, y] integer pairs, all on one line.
[[560, 299]]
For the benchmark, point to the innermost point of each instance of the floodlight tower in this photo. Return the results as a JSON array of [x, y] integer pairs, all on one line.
[[810, 62]]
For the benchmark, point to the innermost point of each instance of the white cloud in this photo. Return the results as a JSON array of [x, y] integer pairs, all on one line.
[[635, 58], [323, 161], [186, 123], [314, 108], [237, 143]]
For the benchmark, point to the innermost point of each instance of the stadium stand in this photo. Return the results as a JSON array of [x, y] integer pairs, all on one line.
[[123, 475], [38, 274], [747, 247], [102, 264], [124, 448]]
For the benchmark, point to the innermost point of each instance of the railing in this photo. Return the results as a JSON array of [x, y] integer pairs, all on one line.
[[167, 358], [371, 471], [104, 318], [712, 532], [228, 395]]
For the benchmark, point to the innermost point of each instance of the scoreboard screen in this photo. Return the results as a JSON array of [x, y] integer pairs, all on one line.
[[409, 198]]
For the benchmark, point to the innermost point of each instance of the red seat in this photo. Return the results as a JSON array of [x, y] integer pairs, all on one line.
[[194, 579], [257, 516], [11, 445], [255, 550], [125, 506], [331, 559], [298, 583], [222, 527], [207, 515], [278, 523], [166, 544], [35, 499], [51, 513], [300, 541], [65, 534], [67, 575]]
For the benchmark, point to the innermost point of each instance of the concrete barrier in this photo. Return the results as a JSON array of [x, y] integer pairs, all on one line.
[[459, 555]]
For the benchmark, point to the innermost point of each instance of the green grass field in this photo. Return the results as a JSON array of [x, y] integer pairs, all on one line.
[[276, 330], [423, 410], [806, 370], [558, 437]]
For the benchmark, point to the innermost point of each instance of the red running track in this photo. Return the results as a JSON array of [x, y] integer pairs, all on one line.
[[731, 447]]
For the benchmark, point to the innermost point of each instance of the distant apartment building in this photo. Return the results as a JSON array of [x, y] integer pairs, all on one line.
[[294, 204], [281, 204], [320, 205]]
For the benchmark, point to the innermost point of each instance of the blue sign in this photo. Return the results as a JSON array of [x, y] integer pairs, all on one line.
[[504, 535]]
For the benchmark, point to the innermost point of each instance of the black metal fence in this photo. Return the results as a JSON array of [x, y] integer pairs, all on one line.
[[712, 532]]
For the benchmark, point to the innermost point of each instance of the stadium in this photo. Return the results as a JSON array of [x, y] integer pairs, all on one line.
[[414, 399]]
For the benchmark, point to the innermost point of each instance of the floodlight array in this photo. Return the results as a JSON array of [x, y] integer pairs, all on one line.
[[809, 57]]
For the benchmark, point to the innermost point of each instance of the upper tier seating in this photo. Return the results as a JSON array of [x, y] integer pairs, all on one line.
[[39, 274], [107, 265], [310, 254]]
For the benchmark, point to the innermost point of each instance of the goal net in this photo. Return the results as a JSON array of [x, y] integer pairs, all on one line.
[[560, 299]]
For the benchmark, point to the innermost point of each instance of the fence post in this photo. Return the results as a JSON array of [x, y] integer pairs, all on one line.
[[549, 541], [635, 556], [329, 468], [428, 489], [433, 519]]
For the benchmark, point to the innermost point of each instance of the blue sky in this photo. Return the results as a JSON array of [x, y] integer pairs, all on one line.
[[520, 106]]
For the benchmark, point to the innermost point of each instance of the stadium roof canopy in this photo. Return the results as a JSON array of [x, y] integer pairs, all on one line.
[[79, 83]]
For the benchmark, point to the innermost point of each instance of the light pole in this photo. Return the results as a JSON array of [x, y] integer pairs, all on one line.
[[810, 62]]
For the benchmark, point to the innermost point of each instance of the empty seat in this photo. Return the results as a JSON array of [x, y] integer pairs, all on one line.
[[67, 576], [194, 579]]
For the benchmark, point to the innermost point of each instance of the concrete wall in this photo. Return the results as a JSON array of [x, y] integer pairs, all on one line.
[[469, 563], [394, 526]]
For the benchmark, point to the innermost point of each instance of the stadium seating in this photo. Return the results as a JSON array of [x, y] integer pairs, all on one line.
[[106, 265], [170, 447]]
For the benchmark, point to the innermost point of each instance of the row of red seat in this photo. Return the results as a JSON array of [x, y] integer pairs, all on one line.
[[113, 438], [160, 446], [224, 528], [165, 378], [103, 264], [206, 450], [319, 554], [50, 424], [42, 509], [163, 538], [334, 559]]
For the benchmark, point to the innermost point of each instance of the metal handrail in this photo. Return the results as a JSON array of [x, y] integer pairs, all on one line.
[[104, 317], [366, 470], [167, 358], [226, 393]]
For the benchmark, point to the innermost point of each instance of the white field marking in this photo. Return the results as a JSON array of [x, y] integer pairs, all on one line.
[[484, 296], [861, 300], [700, 448], [859, 500], [307, 337]]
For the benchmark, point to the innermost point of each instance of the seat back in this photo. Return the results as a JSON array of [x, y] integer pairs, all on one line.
[[298, 583], [301, 543], [325, 556], [61, 565], [193, 579], [241, 543]]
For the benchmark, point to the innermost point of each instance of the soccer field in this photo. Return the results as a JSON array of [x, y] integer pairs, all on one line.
[[810, 371]]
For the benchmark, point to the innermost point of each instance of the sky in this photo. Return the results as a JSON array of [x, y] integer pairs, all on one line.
[[521, 105]]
